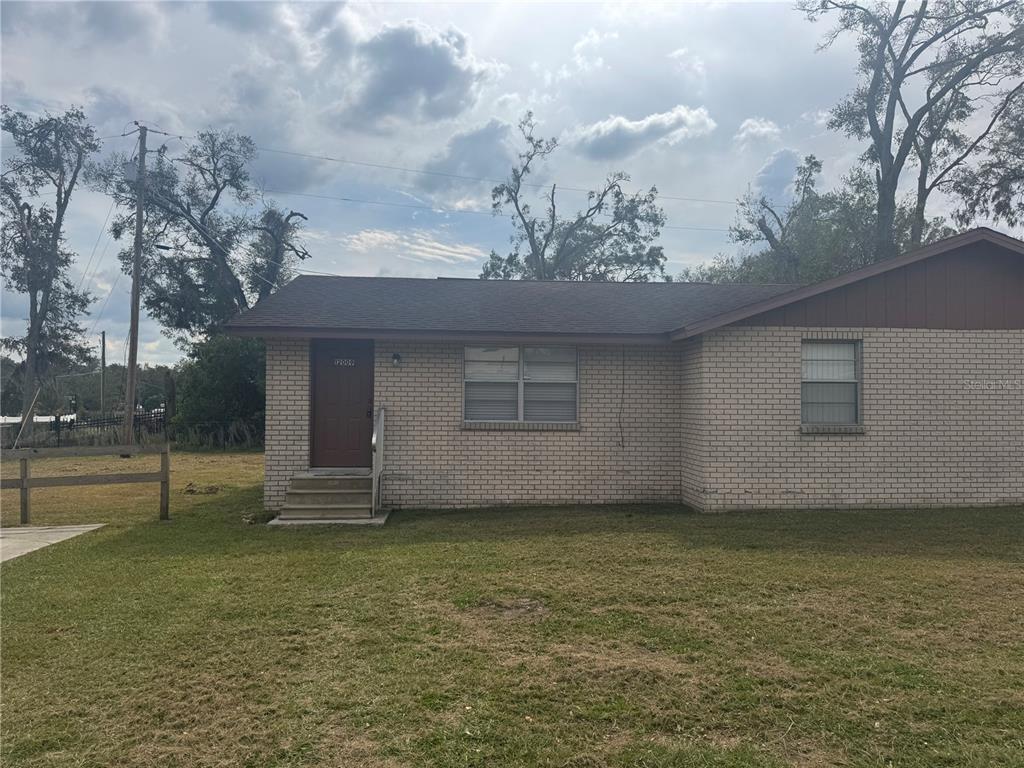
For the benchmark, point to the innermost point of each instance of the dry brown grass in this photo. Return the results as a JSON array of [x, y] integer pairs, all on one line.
[[211, 473]]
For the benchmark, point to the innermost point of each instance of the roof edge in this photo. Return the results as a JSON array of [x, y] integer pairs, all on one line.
[[290, 332], [978, 234]]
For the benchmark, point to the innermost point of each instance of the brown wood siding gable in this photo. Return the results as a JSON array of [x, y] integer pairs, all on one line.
[[977, 286]]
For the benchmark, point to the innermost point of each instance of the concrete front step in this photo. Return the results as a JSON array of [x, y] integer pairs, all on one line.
[[329, 497], [321, 512], [299, 521], [324, 495], [331, 483]]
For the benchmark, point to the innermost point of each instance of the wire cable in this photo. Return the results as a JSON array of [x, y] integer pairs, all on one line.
[[435, 209], [442, 174], [103, 228]]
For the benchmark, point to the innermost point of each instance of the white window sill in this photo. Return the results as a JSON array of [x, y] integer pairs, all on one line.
[[832, 429], [522, 426]]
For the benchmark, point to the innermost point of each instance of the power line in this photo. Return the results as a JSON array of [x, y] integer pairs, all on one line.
[[412, 206], [103, 229], [362, 201], [102, 254], [303, 271], [434, 209], [11, 147], [103, 308], [462, 177], [441, 174]]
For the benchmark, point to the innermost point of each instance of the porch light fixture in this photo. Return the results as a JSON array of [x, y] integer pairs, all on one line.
[[396, 359]]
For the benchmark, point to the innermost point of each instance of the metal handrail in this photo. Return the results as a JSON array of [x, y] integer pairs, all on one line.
[[377, 448]]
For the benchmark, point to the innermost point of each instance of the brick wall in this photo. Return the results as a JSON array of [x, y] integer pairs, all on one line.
[[626, 448], [287, 430], [692, 424], [943, 413], [713, 422]]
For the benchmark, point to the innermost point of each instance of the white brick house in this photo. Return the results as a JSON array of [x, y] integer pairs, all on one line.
[[898, 385]]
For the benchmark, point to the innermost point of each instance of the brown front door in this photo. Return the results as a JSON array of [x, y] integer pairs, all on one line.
[[342, 403]]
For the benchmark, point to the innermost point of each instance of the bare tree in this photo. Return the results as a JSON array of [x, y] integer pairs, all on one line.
[[610, 239], [760, 219], [925, 69], [52, 151]]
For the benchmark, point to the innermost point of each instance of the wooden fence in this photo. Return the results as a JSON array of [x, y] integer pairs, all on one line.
[[25, 482]]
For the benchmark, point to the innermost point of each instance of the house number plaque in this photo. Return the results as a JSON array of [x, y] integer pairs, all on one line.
[[345, 362]]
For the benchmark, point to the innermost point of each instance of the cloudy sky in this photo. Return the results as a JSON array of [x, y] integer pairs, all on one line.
[[701, 100]]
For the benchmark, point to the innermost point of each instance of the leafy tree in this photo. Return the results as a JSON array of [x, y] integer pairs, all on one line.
[[611, 239], [151, 387], [816, 235], [944, 150], [11, 372], [207, 254], [276, 241], [995, 187], [925, 70], [220, 386], [51, 153]]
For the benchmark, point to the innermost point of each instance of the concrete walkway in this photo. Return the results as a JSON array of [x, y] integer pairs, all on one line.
[[15, 542]]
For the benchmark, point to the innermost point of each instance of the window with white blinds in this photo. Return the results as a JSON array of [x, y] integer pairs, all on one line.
[[520, 384], [830, 387]]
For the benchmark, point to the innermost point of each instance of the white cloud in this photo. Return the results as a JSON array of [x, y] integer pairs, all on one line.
[[585, 52], [414, 245], [618, 137], [689, 64], [818, 117], [757, 129]]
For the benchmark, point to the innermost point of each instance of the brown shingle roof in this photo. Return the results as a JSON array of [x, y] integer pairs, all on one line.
[[389, 304]]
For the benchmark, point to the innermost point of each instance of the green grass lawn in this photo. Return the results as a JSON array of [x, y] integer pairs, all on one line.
[[576, 637]]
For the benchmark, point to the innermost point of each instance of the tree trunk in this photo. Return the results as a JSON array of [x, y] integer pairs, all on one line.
[[885, 224], [917, 223], [790, 261], [29, 383]]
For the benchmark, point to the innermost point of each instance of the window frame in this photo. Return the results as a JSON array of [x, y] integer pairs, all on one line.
[[857, 381], [520, 384]]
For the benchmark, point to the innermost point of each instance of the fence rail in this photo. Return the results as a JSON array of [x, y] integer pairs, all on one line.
[[25, 482]]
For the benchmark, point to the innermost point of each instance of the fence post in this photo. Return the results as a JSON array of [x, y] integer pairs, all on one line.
[[25, 490], [165, 482]]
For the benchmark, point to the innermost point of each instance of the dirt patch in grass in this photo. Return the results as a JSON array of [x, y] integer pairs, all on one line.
[[514, 608], [191, 489]]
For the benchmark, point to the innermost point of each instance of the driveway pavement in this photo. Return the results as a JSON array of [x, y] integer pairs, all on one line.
[[15, 542]]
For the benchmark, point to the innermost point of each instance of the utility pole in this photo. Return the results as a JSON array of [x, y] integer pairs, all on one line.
[[133, 335], [103, 373]]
